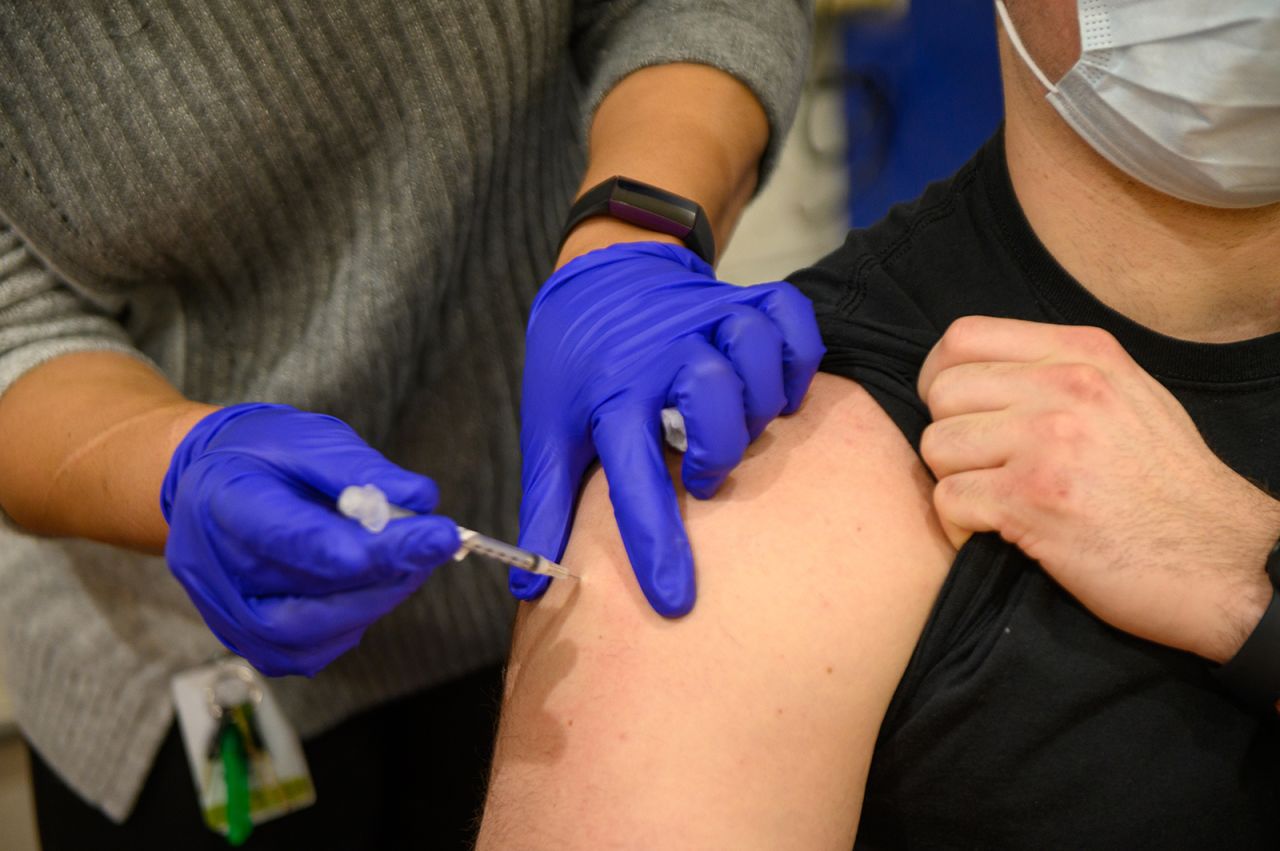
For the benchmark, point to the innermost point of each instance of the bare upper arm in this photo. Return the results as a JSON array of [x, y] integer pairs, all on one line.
[[750, 722]]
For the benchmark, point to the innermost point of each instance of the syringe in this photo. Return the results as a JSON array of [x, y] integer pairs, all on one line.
[[368, 505]]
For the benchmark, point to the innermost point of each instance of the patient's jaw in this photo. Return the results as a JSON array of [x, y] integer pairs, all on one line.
[[1050, 29], [1185, 270], [750, 722]]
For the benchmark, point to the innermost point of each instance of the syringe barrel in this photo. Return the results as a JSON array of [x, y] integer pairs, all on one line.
[[486, 546]]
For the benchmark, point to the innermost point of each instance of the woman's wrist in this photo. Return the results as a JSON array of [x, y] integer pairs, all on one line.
[[601, 232], [689, 129], [129, 459]]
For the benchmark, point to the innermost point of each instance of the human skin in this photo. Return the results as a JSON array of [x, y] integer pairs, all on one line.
[[824, 552], [1188, 271], [1052, 435], [87, 437], [1031, 417], [818, 563]]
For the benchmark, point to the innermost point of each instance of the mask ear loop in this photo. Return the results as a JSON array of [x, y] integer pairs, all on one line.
[[1021, 48]]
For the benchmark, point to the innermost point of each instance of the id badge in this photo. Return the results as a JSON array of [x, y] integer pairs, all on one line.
[[245, 758]]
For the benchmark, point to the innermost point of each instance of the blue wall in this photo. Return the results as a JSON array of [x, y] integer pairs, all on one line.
[[922, 93]]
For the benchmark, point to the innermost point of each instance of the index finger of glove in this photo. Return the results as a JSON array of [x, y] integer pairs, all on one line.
[[644, 503], [802, 347]]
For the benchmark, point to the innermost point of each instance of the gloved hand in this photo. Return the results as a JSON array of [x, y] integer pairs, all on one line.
[[255, 538], [615, 336]]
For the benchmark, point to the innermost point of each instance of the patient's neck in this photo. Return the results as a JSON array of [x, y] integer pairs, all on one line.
[[1185, 270]]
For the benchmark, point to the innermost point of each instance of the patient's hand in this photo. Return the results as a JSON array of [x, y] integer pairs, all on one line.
[[750, 722], [1055, 438]]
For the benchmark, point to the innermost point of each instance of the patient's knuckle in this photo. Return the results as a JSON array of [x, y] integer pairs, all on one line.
[[951, 491], [944, 497], [1045, 486], [931, 443], [1012, 525], [1055, 426], [941, 500], [1093, 341], [942, 391], [1081, 382], [964, 334]]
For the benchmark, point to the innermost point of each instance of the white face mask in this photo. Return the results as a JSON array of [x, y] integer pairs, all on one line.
[[1183, 95]]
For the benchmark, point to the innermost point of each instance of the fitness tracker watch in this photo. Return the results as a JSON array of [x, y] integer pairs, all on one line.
[[1253, 674], [648, 207]]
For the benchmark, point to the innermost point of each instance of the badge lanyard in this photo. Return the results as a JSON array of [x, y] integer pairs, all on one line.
[[245, 757]]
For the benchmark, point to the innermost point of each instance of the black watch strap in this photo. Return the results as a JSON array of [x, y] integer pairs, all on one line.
[[1253, 674], [647, 207]]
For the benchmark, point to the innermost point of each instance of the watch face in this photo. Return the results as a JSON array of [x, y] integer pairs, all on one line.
[[652, 208]]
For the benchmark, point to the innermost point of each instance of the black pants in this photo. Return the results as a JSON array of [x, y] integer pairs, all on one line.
[[410, 774]]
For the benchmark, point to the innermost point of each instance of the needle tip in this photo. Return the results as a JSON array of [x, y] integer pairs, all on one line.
[[554, 569]]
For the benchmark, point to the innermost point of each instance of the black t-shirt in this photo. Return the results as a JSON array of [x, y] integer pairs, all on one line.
[[1023, 721]]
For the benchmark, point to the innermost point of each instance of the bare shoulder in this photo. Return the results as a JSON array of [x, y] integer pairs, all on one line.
[[750, 722]]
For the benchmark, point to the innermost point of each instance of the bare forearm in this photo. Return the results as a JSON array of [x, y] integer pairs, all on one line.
[[85, 440], [690, 129]]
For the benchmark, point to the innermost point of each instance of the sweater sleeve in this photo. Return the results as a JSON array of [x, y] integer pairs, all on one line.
[[42, 318], [764, 44]]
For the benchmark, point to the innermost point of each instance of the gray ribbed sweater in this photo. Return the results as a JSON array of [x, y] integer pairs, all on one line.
[[344, 206]]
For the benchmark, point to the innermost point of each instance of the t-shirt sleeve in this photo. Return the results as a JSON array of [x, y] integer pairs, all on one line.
[[764, 44], [875, 331], [42, 318]]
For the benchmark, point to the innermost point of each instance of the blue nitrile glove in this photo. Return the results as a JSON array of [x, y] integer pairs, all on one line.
[[255, 538], [615, 336]]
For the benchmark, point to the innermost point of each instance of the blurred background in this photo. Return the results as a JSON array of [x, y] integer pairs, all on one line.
[[899, 94]]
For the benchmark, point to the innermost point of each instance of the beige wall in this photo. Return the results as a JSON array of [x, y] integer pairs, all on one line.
[[17, 820]]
